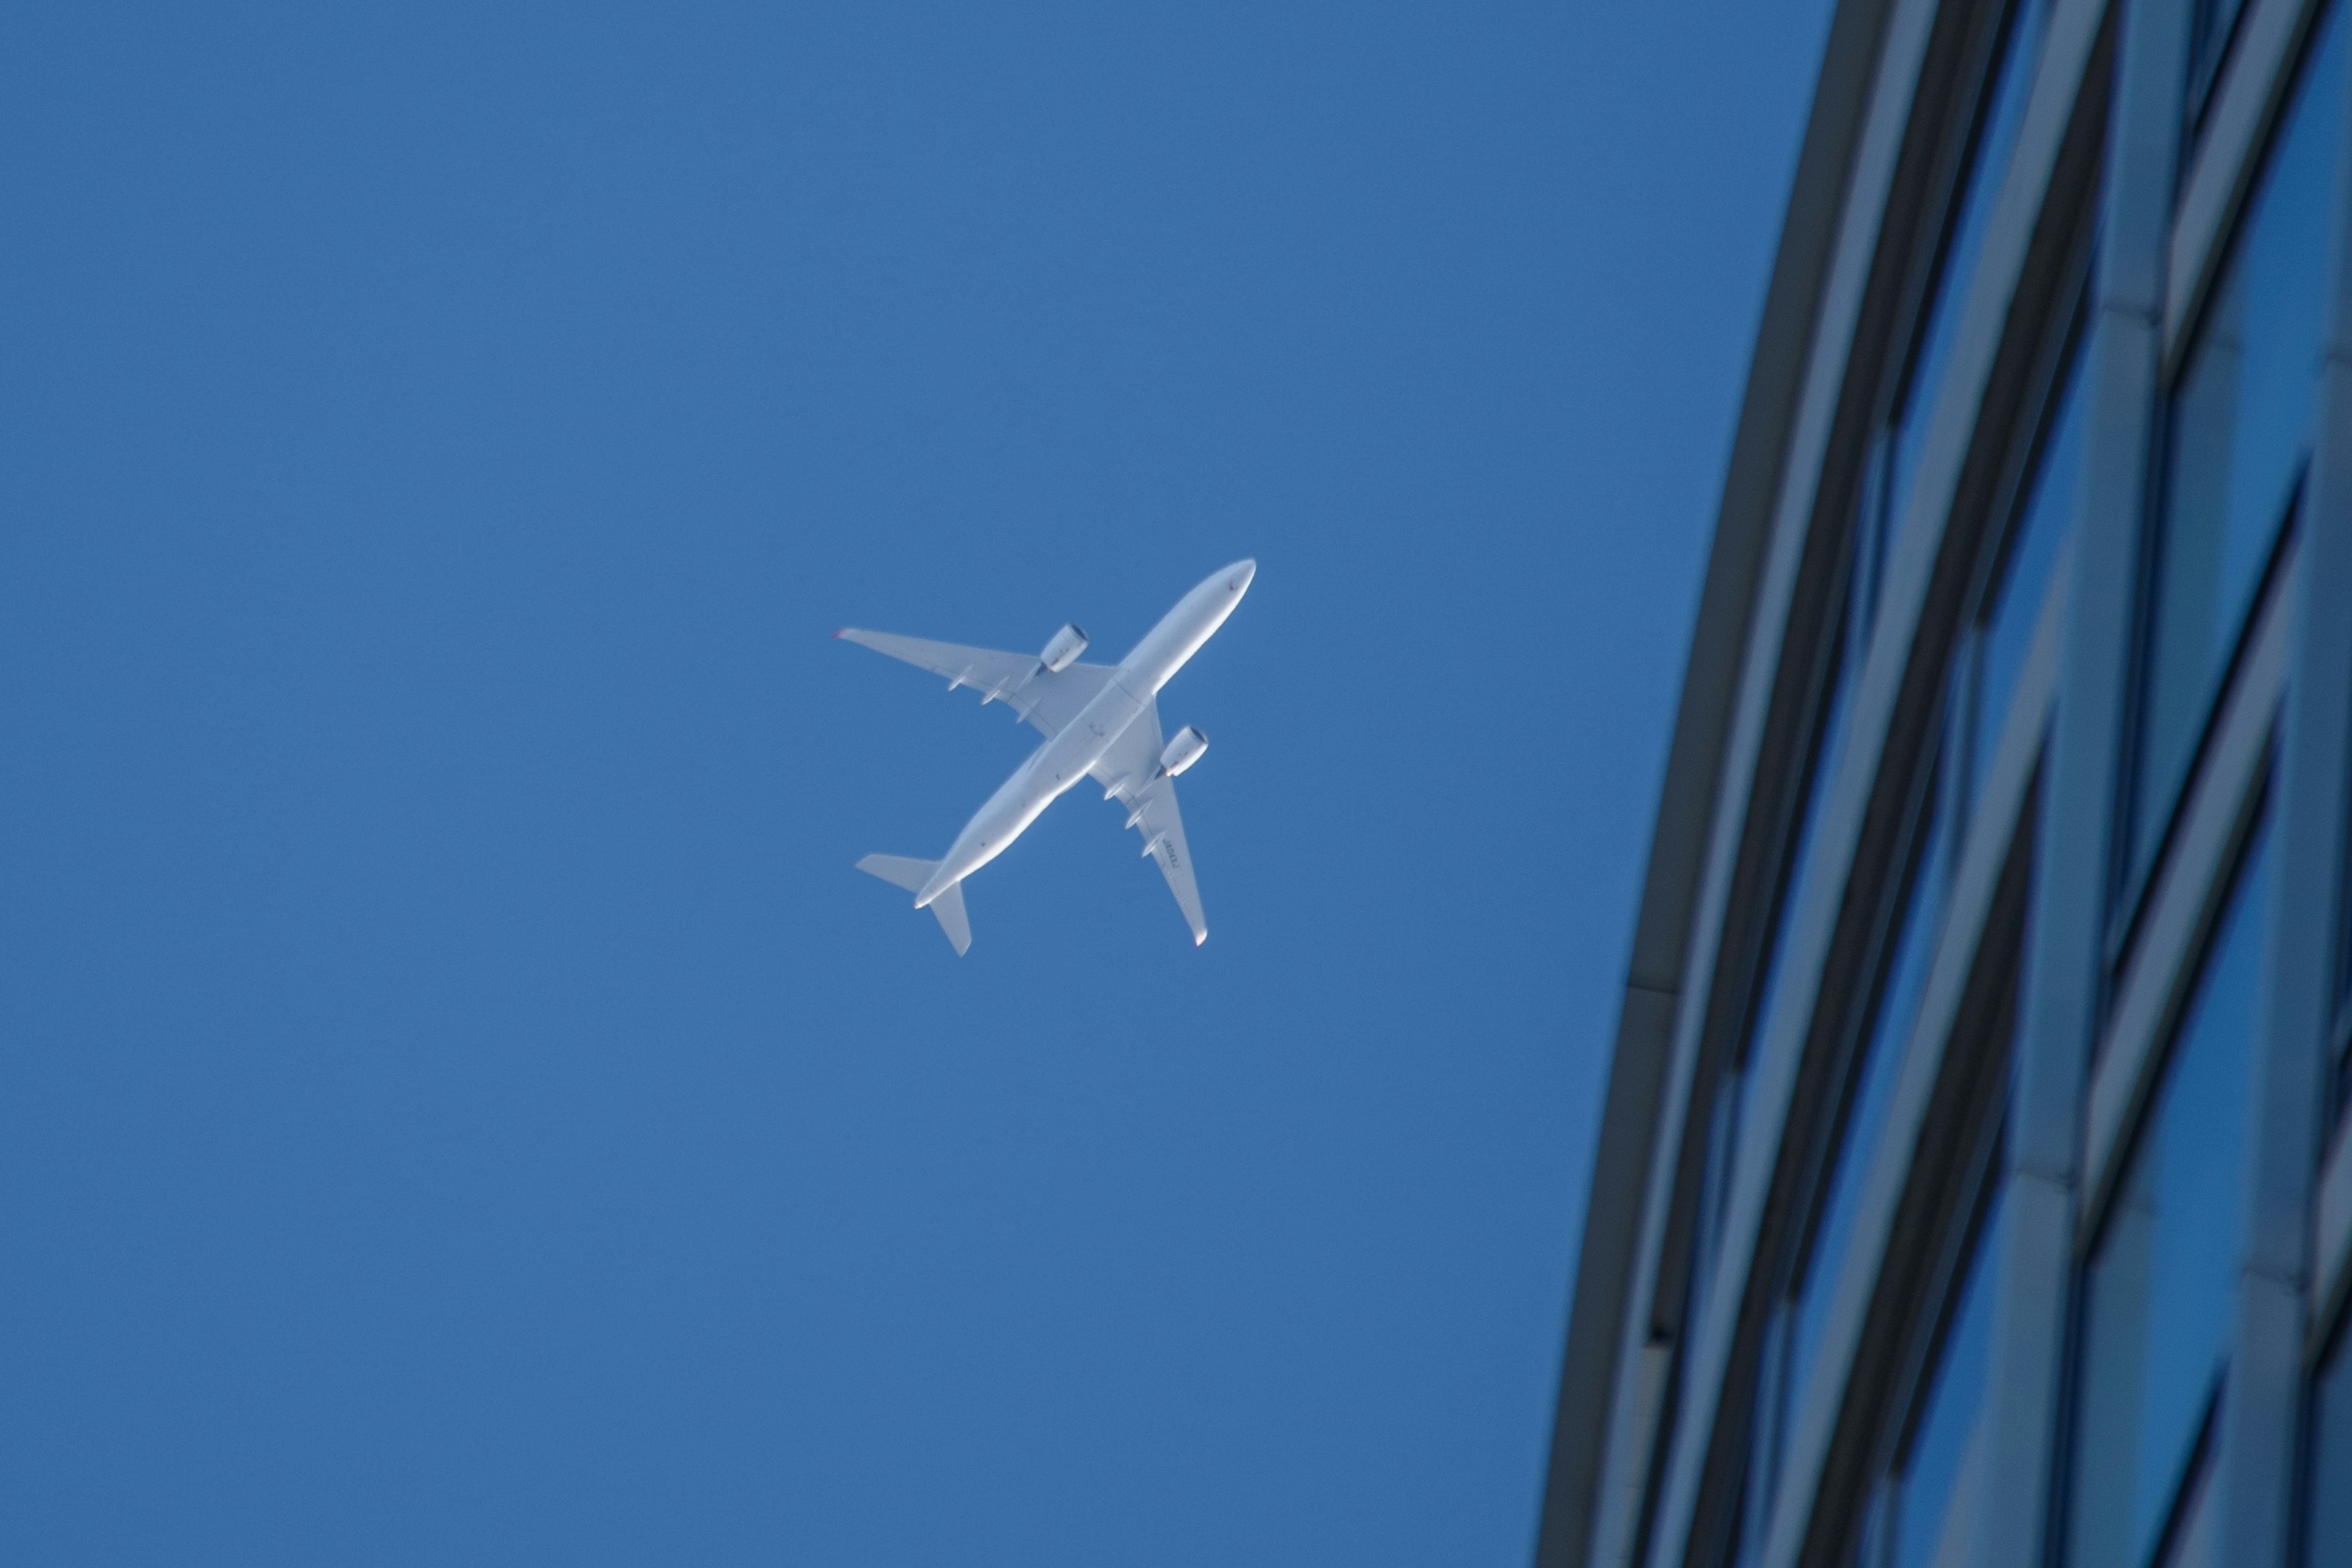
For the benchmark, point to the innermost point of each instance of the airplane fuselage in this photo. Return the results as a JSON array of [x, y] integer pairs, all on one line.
[[1068, 756]]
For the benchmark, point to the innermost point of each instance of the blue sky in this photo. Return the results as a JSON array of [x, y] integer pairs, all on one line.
[[458, 1103]]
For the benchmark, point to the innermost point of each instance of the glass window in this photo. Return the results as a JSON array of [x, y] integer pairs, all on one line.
[[2213, 25], [1870, 1087], [2157, 1309], [1857, 1113], [2327, 1484], [2005, 625], [1801, 868], [1988, 137], [1729, 1110], [2240, 428], [1940, 1466]]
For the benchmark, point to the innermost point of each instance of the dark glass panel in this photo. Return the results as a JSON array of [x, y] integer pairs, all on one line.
[[2163, 1280], [1730, 1108], [2001, 108], [2328, 1485], [2240, 425], [2007, 624], [2211, 26], [1870, 1089], [1945, 1452]]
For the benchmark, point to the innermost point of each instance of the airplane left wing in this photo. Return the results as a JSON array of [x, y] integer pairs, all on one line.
[[1047, 699], [1130, 771]]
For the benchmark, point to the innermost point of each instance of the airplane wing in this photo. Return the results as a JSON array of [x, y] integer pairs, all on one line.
[[1045, 698], [1151, 809]]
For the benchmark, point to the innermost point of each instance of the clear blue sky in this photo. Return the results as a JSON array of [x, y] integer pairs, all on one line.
[[458, 1103]]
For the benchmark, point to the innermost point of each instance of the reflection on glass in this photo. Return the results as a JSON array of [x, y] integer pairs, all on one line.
[[2165, 1273], [1713, 1186], [1941, 1467], [1802, 870], [2002, 107], [2210, 26], [1731, 1094], [2329, 1529], [1990, 133], [1870, 1087], [1765, 1426], [2240, 428], [2005, 628]]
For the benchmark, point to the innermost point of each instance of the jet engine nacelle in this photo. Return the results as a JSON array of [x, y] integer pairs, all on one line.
[[1064, 650], [1184, 750]]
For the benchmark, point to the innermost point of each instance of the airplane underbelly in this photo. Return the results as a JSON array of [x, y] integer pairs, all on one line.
[[1058, 765]]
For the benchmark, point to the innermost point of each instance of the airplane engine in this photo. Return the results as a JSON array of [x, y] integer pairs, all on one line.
[[1184, 750], [1064, 650]]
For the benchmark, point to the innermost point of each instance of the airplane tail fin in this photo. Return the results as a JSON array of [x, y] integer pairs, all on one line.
[[905, 871]]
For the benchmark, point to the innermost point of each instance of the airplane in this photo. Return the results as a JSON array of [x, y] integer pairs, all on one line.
[[1101, 722]]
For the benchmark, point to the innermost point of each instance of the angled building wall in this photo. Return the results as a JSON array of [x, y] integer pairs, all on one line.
[[1972, 1186]]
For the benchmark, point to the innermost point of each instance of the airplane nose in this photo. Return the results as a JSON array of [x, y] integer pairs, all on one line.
[[1242, 575]]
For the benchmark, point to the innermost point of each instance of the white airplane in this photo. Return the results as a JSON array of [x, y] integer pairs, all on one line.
[[1097, 721]]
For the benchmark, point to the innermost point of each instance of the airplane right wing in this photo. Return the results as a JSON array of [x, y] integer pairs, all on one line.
[[1133, 759], [1163, 840], [1047, 699]]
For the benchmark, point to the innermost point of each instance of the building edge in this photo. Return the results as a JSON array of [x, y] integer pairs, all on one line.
[[1687, 803]]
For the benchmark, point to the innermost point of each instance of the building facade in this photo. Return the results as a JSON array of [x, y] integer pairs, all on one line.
[[1973, 1184]]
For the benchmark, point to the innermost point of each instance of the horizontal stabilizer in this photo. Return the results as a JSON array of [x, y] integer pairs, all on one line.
[[899, 870], [906, 871]]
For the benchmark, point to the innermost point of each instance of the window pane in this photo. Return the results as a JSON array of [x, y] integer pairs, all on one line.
[[1732, 1091], [2163, 1280], [1872, 1085], [2240, 428], [2208, 37], [1943, 1444], [1801, 869], [2015, 608], [2010, 75], [2330, 1482]]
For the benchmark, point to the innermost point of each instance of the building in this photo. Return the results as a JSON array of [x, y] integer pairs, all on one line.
[[1972, 1186]]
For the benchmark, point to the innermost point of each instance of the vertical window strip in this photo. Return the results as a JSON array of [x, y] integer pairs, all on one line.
[[2238, 431], [1727, 1113], [2327, 1461], [1991, 132], [2004, 625], [2162, 1279], [1936, 1477], [2212, 29]]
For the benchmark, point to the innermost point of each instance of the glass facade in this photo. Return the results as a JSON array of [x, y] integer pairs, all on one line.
[[2239, 430], [2213, 25], [2156, 1319], [2006, 1287], [1729, 1113], [1870, 1085], [1985, 138], [1986, 135], [1942, 1466], [2003, 632], [2328, 1488]]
